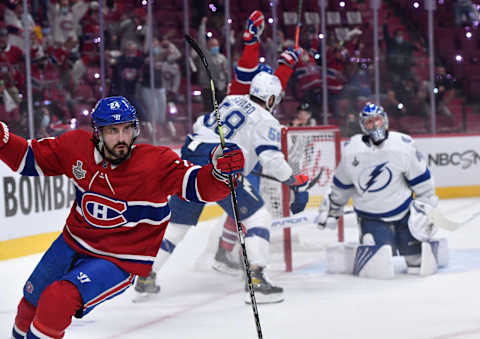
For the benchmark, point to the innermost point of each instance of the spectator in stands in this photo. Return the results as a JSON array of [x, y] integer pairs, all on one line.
[[444, 83], [126, 75], [272, 50], [465, 13], [133, 28], [399, 55], [304, 116], [351, 126], [169, 55], [337, 62], [218, 67], [154, 100], [64, 18], [9, 104], [14, 24], [308, 81], [11, 63]]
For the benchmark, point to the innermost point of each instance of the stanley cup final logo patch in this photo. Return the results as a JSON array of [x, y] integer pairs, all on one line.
[[78, 171]]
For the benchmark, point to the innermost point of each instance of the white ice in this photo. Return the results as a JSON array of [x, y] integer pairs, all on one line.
[[197, 302]]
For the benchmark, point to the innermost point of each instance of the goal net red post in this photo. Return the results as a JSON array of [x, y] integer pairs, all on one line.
[[308, 150]]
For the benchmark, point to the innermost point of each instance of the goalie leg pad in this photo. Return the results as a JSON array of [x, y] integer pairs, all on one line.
[[434, 255], [368, 261], [374, 262], [340, 258]]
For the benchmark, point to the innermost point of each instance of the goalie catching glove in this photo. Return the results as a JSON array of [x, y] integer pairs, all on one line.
[[298, 184], [4, 134], [226, 162], [329, 213]]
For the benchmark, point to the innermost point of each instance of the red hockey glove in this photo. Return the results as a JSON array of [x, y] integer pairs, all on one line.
[[298, 180], [289, 57], [254, 27], [4, 134], [229, 162]]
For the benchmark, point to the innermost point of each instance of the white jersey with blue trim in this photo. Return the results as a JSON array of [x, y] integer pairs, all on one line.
[[381, 179], [250, 126]]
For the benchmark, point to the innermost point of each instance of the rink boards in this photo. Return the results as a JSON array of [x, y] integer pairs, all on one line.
[[33, 209]]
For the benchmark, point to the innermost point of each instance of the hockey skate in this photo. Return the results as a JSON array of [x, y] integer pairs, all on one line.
[[224, 262], [146, 287], [265, 292]]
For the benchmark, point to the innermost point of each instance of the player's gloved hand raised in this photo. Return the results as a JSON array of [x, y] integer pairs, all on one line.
[[4, 134], [254, 27], [329, 213], [229, 162], [289, 57], [298, 184]]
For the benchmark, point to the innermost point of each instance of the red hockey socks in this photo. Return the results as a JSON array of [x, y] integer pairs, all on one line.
[[25, 314], [56, 307], [229, 234]]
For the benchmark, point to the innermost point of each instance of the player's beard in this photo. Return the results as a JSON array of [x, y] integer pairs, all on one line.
[[116, 156]]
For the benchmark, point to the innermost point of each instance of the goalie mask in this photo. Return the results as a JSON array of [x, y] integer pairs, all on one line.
[[264, 86], [112, 111], [374, 122]]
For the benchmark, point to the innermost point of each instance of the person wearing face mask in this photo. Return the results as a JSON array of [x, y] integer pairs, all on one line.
[[218, 66], [399, 55]]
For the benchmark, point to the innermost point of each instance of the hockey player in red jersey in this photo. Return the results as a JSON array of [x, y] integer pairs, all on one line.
[[114, 229]]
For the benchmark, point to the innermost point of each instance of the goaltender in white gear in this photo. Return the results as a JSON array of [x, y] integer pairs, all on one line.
[[248, 122], [393, 196]]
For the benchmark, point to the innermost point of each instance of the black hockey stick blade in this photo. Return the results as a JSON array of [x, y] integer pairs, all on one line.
[[200, 53], [315, 180]]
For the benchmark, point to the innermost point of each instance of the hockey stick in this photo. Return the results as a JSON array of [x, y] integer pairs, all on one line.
[[299, 24], [310, 184], [296, 220], [443, 222], [241, 237]]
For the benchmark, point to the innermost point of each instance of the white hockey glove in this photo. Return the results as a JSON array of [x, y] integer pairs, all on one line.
[[329, 213], [420, 222]]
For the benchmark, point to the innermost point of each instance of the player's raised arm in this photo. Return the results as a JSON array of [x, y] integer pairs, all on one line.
[[30, 157]]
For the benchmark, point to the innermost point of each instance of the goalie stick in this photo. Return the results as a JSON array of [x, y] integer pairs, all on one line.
[[233, 195], [442, 221]]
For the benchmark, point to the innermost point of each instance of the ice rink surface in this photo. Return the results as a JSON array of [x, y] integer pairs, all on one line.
[[197, 302]]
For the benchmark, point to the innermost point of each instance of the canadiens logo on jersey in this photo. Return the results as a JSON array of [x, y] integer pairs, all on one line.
[[103, 212], [375, 178], [78, 171]]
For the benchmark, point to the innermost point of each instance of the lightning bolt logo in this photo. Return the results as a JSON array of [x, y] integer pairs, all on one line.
[[373, 176]]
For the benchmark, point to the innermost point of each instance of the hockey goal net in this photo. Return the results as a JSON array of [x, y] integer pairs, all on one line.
[[314, 151]]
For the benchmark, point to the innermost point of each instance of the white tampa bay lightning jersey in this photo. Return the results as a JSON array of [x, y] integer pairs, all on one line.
[[251, 127], [381, 179]]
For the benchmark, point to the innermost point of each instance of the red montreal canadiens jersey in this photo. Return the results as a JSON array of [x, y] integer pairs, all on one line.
[[120, 212], [246, 69]]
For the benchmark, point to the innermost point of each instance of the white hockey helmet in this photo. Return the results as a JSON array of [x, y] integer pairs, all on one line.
[[264, 86]]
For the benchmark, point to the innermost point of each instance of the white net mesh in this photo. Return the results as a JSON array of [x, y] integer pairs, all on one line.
[[307, 151]]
